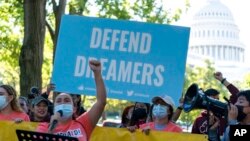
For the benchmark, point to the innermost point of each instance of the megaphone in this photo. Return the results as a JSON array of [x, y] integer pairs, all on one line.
[[196, 99]]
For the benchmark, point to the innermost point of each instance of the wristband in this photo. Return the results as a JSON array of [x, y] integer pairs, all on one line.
[[223, 80]]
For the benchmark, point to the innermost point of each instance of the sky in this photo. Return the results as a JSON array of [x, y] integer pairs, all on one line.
[[239, 8]]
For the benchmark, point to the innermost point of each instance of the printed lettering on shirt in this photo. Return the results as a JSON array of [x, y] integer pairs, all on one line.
[[203, 127], [71, 133]]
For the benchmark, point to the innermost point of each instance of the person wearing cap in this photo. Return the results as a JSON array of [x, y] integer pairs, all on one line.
[[39, 111], [161, 113], [201, 125]]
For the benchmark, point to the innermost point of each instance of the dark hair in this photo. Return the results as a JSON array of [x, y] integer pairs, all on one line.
[[211, 92], [24, 99], [125, 120], [171, 112], [148, 107], [79, 108], [245, 93]]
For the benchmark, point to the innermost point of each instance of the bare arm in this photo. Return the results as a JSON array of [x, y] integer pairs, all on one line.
[[97, 109], [178, 111]]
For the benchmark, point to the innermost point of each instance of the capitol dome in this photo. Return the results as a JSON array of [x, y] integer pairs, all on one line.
[[214, 34]]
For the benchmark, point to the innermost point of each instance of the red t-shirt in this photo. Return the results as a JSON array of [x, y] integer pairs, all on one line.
[[80, 128], [15, 115]]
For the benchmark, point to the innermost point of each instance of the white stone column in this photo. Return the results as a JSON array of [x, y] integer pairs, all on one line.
[[234, 54], [238, 54]]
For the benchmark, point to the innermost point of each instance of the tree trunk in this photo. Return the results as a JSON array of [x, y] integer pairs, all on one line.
[[59, 10], [31, 56]]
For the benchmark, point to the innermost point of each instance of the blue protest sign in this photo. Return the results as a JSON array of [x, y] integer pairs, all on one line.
[[139, 60]]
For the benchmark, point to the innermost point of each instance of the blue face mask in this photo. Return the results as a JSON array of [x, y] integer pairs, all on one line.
[[160, 111], [3, 102], [67, 110]]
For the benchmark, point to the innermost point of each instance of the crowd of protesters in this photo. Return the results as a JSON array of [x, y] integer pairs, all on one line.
[[160, 115]]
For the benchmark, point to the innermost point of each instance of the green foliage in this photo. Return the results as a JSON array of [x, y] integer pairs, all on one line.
[[10, 37], [113, 9], [78, 7], [47, 62], [204, 77], [246, 82], [141, 10], [113, 105], [11, 10]]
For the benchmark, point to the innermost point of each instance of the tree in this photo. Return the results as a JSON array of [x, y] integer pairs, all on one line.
[[246, 82], [10, 27], [31, 56], [58, 11]]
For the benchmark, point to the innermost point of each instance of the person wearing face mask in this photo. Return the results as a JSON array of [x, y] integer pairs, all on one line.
[[238, 113], [82, 126], [139, 115], [9, 107], [162, 112], [126, 116]]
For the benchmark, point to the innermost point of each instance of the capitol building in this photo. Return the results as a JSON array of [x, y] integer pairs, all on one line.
[[215, 36]]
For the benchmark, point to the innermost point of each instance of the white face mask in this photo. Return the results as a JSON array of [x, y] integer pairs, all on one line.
[[67, 110], [3, 102], [160, 111]]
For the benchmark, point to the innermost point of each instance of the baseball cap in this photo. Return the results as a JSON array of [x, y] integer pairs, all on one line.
[[211, 92], [39, 99], [167, 99], [23, 98]]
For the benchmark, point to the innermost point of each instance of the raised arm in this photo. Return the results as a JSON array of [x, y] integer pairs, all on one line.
[[231, 88], [178, 111], [97, 109]]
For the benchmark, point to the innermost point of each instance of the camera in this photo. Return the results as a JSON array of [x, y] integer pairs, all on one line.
[[34, 91]]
